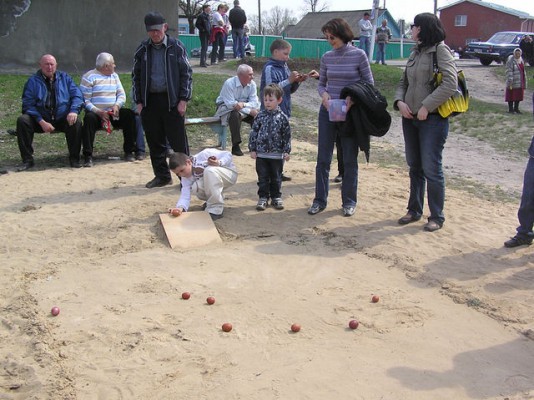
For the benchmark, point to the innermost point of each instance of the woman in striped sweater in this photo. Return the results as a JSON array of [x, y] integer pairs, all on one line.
[[342, 66]]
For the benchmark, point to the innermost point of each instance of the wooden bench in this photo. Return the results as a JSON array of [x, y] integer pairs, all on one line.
[[213, 122], [215, 125]]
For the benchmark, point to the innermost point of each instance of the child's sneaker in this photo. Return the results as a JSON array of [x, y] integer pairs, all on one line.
[[262, 204], [278, 203]]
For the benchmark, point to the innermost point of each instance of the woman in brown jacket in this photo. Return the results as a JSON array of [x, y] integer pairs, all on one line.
[[425, 131]]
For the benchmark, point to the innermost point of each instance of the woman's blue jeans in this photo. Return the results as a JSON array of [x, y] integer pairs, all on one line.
[[325, 149], [424, 142]]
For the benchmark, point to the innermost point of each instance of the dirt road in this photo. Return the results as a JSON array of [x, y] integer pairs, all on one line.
[[464, 157]]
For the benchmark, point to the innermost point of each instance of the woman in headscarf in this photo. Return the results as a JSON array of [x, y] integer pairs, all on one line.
[[516, 81]]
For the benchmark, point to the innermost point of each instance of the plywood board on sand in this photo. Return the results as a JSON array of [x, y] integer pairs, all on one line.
[[191, 229]]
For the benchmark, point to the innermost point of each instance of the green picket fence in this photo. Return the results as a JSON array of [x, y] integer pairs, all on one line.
[[301, 48]]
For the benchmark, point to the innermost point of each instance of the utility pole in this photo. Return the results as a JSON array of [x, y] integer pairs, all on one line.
[[374, 16], [259, 17], [402, 28]]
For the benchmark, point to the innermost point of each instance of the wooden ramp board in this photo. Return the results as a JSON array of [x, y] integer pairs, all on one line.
[[191, 229]]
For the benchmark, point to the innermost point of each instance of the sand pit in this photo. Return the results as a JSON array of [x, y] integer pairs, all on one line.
[[454, 320]]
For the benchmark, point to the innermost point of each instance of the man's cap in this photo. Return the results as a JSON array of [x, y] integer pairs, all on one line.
[[154, 21]]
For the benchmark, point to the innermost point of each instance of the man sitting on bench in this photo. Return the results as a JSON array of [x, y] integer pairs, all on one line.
[[51, 102], [238, 101], [104, 99]]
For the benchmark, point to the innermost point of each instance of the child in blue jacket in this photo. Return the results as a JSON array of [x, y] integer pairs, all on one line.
[[276, 71]]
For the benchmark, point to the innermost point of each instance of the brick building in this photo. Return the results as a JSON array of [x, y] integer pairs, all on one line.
[[475, 20]]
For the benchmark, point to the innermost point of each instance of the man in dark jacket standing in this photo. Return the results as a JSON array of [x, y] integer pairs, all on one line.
[[238, 19], [203, 24], [51, 101], [162, 81], [527, 47]]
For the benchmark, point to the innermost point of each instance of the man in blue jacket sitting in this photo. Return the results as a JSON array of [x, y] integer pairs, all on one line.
[[51, 101]]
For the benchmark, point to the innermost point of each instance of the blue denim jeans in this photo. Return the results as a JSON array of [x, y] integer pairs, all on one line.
[[238, 45], [424, 142], [365, 44], [140, 135], [325, 149], [381, 53], [526, 208]]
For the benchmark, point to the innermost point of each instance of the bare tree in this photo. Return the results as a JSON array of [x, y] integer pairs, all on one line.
[[191, 8], [253, 24], [407, 33], [274, 21], [315, 5], [277, 19]]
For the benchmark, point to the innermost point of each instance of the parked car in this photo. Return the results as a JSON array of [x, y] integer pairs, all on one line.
[[250, 50], [497, 48]]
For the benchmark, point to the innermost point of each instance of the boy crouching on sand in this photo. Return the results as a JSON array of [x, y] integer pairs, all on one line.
[[270, 144], [206, 174]]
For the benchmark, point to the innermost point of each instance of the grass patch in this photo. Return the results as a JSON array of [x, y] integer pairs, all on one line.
[[487, 122], [51, 149], [386, 78], [10, 99], [491, 123], [500, 72], [481, 191]]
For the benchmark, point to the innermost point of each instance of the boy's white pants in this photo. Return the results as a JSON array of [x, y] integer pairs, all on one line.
[[211, 186]]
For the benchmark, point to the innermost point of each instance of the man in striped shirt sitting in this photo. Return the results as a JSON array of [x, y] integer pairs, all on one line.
[[104, 99]]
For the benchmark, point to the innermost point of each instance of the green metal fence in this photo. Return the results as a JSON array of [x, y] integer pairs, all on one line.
[[302, 48], [190, 42]]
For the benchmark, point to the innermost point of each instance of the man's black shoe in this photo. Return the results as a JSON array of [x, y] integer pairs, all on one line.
[[75, 164], [517, 241], [88, 162], [236, 150], [129, 157], [215, 217], [12, 132], [140, 156], [25, 166], [157, 182], [286, 178]]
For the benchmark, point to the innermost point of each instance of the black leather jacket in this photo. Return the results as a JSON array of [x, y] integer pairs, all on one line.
[[203, 23], [367, 116]]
